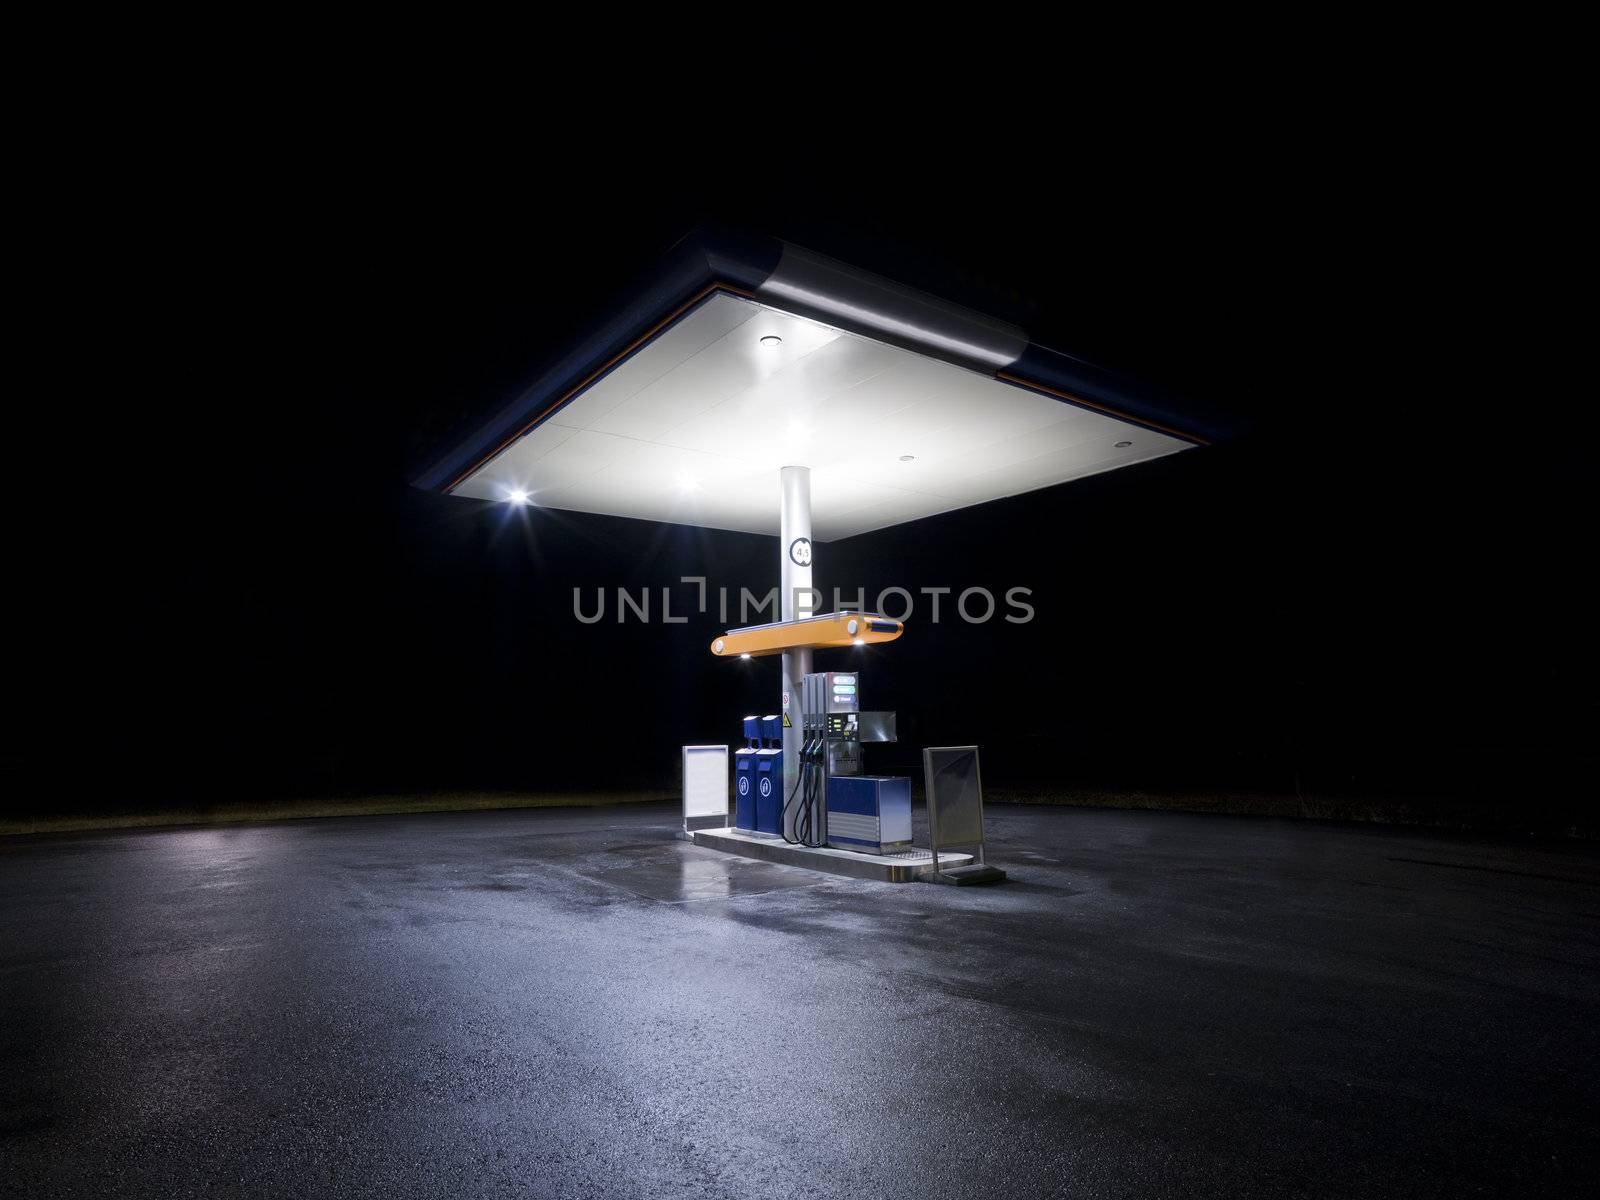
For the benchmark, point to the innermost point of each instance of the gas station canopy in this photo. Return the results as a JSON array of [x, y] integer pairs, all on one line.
[[755, 386], [743, 356]]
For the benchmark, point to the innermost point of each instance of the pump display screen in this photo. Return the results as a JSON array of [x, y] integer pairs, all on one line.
[[841, 692]]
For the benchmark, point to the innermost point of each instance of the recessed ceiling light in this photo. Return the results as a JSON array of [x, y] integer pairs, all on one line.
[[744, 656], [772, 341], [518, 496], [907, 457], [861, 641], [1123, 445]]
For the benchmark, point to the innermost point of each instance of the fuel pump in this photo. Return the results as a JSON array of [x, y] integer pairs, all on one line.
[[744, 777], [834, 803]]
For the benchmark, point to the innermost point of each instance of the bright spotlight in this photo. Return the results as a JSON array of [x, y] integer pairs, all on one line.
[[518, 496], [744, 656], [688, 483], [861, 641]]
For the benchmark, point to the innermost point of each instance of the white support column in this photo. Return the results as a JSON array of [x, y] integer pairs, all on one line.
[[795, 600]]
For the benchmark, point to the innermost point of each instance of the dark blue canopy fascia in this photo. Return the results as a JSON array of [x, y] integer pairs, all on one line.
[[795, 280]]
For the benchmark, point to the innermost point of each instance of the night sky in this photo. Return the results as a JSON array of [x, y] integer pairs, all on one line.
[[1378, 590]]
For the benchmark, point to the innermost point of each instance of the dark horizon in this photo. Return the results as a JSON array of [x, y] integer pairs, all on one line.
[[1373, 593]]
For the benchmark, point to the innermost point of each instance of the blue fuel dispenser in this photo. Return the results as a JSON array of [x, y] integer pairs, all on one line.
[[744, 777], [769, 790]]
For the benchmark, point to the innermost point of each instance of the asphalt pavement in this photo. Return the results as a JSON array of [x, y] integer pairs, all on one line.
[[574, 1003]]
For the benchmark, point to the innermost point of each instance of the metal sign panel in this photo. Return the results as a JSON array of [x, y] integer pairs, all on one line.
[[705, 783], [955, 795]]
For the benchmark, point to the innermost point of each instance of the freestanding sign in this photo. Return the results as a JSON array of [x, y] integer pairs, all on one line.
[[705, 786], [955, 811]]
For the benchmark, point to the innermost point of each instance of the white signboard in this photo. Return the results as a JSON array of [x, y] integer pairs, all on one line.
[[705, 783]]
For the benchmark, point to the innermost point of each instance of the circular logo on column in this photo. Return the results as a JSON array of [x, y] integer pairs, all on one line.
[[800, 552], [766, 787], [744, 786]]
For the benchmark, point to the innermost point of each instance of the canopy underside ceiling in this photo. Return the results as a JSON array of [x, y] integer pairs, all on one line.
[[693, 427]]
